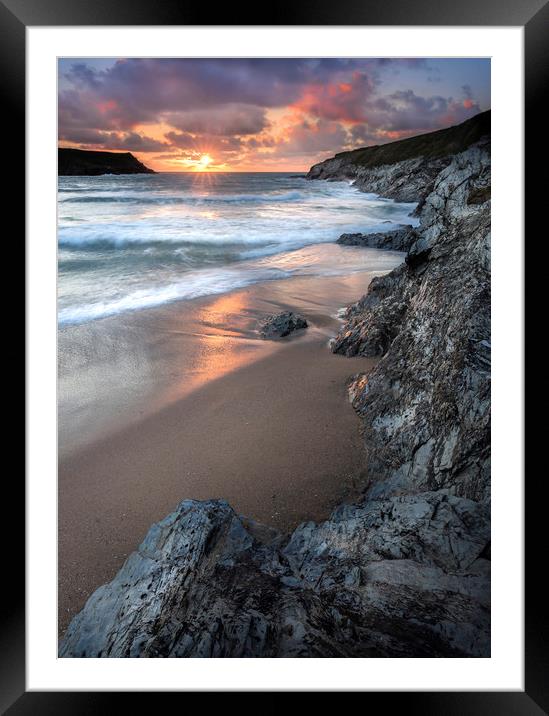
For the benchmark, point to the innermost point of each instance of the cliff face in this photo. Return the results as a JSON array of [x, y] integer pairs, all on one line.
[[404, 170], [406, 571], [426, 406], [79, 162]]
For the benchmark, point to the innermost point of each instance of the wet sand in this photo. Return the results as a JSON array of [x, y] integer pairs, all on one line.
[[265, 425]]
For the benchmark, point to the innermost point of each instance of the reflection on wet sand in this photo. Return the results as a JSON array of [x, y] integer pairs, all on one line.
[[224, 340], [118, 370]]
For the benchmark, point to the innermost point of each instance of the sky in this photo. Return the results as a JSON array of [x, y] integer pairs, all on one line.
[[281, 114]]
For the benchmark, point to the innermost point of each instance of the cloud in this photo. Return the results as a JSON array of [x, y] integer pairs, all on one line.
[[231, 119], [127, 141], [203, 142], [142, 88], [139, 90], [312, 137], [404, 111], [342, 101], [81, 75]]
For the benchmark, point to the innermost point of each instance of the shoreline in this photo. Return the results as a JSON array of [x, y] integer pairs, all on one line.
[[265, 425], [119, 369]]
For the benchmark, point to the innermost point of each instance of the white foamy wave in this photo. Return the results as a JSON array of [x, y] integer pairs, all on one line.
[[318, 260], [105, 235], [205, 284]]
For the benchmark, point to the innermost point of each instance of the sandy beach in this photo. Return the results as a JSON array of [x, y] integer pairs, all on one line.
[[265, 425]]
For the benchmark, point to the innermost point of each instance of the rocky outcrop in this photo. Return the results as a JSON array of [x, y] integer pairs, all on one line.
[[426, 406], [405, 170], [282, 324], [405, 572], [401, 577], [396, 240], [81, 162], [407, 181], [374, 321]]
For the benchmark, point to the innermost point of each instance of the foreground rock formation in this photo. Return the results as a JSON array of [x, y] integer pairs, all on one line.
[[400, 577], [81, 162], [406, 571]]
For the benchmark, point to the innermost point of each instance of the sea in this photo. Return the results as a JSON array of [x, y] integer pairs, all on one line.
[[132, 242]]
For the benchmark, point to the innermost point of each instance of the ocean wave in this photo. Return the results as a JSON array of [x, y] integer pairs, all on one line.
[[100, 241], [330, 260], [142, 198], [203, 283], [109, 236]]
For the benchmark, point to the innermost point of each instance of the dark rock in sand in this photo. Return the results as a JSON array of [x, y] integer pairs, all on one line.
[[281, 324], [396, 240]]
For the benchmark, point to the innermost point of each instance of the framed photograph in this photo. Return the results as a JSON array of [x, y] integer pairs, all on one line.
[[275, 313]]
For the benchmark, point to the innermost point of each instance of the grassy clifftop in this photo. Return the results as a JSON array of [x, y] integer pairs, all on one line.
[[441, 143]]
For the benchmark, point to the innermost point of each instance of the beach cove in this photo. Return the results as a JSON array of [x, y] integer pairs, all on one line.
[[185, 401]]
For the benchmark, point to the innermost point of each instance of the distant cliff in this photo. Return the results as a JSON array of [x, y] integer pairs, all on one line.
[[80, 162]]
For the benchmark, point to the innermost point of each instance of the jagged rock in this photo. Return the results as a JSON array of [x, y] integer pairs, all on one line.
[[406, 181], [281, 324], [479, 195], [372, 323], [426, 406], [397, 240], [418, 253], [401, 577]]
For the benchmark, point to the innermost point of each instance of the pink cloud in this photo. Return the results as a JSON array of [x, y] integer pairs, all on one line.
[[344, 101]]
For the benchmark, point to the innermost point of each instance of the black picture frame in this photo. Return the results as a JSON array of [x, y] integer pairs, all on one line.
[[533, 15]]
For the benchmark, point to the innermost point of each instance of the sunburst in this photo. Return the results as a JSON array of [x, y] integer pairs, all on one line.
[[204, 161]]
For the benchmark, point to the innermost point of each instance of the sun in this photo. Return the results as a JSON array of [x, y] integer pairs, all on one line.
[[204, 161], [200, 162]]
